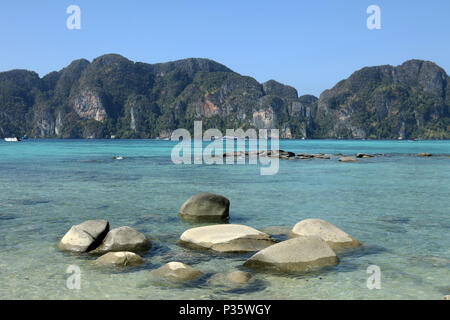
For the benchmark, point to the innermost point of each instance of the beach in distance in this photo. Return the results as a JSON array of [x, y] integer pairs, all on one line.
[[392, 198]]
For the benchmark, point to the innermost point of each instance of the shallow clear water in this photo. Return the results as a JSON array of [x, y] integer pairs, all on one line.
[[397, 205]]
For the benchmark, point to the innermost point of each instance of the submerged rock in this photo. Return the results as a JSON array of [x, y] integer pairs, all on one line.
[[239, 277], [335, 237], [121, 258], [154, 217], [231, 279], [226, 238], [300, 254], [435, 261], [205, 207], [7, 216], [34, 202], [394, 219], [177, 271], [85, 236], [124, 239]]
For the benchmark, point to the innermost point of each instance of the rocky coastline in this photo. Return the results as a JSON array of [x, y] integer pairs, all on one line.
[[310, 245]]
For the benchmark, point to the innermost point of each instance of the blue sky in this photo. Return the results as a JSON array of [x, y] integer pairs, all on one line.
[[310, 45]]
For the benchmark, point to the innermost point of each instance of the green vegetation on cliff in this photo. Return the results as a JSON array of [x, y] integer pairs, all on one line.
[[114, 96], [385, 102]]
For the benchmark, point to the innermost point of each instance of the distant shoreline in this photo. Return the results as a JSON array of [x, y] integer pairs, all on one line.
[[112, 96]]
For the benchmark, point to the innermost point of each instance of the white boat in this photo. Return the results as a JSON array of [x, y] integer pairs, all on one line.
[[13, 139]]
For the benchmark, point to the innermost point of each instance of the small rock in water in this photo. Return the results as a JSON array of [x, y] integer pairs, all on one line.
[[424, 154], [177, 271], [447, 297], [347, 159], [322, 156], [121, 258], [205, 207], [286, 154], [364, 155]]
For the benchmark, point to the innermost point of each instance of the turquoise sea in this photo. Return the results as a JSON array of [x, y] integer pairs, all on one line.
[[398, 205]]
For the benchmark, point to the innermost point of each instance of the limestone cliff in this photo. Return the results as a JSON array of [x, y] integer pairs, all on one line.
[[115, 96]]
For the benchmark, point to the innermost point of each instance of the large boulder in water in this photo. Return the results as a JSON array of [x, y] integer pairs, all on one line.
[[300, 254], [177, 271], [122, 258], [205, 207], [85, 236], [124, 239], [226, 238], [335, 237]]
